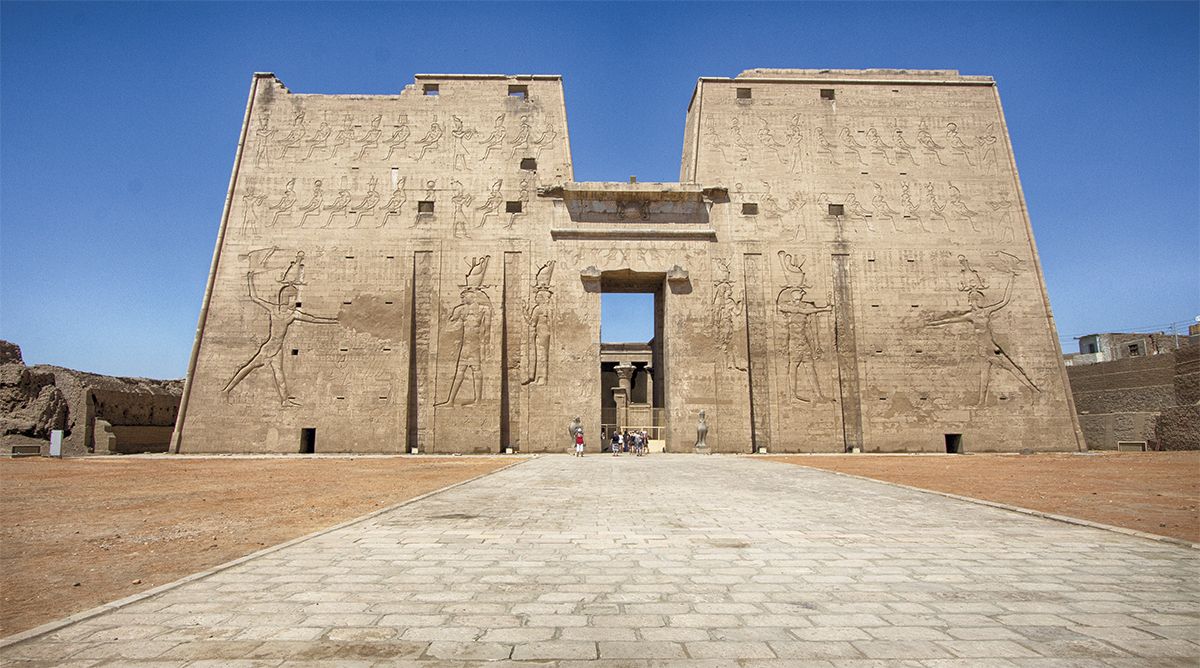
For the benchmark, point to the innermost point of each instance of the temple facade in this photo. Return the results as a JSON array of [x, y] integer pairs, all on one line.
[[846, 264]]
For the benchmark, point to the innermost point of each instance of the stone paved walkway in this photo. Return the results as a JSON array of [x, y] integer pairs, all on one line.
[[711, 561]]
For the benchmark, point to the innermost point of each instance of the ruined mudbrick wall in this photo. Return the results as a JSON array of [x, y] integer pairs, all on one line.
[[98, 414]]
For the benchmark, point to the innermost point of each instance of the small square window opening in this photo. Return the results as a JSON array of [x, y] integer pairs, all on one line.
[[743, 93], [513, 207], [430, 89], [827, 94], [749, 208], [837, 209], [425, 206], [529, 164], [519, 91]]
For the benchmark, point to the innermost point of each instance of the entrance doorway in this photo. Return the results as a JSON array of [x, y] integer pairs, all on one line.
[[308, 440], [953, 444], [632, 364]]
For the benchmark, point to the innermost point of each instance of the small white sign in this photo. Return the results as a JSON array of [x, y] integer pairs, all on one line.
[[56, 443]]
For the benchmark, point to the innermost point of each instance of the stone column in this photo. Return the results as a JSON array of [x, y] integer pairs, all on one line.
[[625, 375], [621, 392]]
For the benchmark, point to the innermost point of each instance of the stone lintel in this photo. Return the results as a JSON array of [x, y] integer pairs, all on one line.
[[632, 233], [629, 192]]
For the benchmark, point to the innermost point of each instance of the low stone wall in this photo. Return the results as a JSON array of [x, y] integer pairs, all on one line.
[[1104, 431], [135, 439], [1136, 384], [1178, 428], [1152, 398]]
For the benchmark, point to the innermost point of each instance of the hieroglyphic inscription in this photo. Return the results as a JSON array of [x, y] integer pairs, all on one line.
[[421, 378], [758, 362], [512, 400], [845, 341]]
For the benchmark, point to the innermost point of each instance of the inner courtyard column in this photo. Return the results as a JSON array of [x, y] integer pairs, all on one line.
[[621, 392]]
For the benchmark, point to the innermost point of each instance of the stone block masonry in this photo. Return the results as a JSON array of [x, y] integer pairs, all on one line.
[[846, 263]]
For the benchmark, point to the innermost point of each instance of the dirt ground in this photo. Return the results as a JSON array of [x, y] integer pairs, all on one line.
[[77, 533], [1155, 492]]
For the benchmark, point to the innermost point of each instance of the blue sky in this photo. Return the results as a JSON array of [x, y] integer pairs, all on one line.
[[118, 124]]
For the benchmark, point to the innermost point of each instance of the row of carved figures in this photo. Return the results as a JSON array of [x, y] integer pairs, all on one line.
[[743, 138], [318, 209], [802, 338], [470, 322], [918, 208], [305, 140]]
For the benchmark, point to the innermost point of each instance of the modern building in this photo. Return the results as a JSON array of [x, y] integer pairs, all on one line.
[[1111, 346]]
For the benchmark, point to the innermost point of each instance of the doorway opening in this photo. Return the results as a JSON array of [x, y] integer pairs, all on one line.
[[308, 440], [632, 364], [953, 444]]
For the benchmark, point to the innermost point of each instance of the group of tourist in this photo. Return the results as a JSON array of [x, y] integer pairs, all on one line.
[[633, 442]]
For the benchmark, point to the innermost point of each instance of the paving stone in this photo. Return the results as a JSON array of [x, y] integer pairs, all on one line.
[[729, 650], [555, 650], [593, 634], [815, 650], [901, 649], [674, 634], [983, 649], [135, 649], [468, 651], [641, 650], [553, 576], [518, 635], [440, 633]]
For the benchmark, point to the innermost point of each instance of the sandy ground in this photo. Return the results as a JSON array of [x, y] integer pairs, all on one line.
[[1155, 492], [78, 533]]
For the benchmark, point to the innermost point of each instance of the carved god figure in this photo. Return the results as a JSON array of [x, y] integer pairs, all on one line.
[[473, 320], [538, 324], [726, 310], [803, 342]]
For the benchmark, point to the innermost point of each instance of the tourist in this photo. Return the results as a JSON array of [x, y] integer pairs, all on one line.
[[579, 443], [616, 442]]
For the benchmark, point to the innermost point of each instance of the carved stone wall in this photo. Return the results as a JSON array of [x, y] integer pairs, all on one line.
[[845, 263]]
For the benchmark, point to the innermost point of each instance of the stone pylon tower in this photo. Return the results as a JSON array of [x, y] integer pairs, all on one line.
[[846, 263]]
